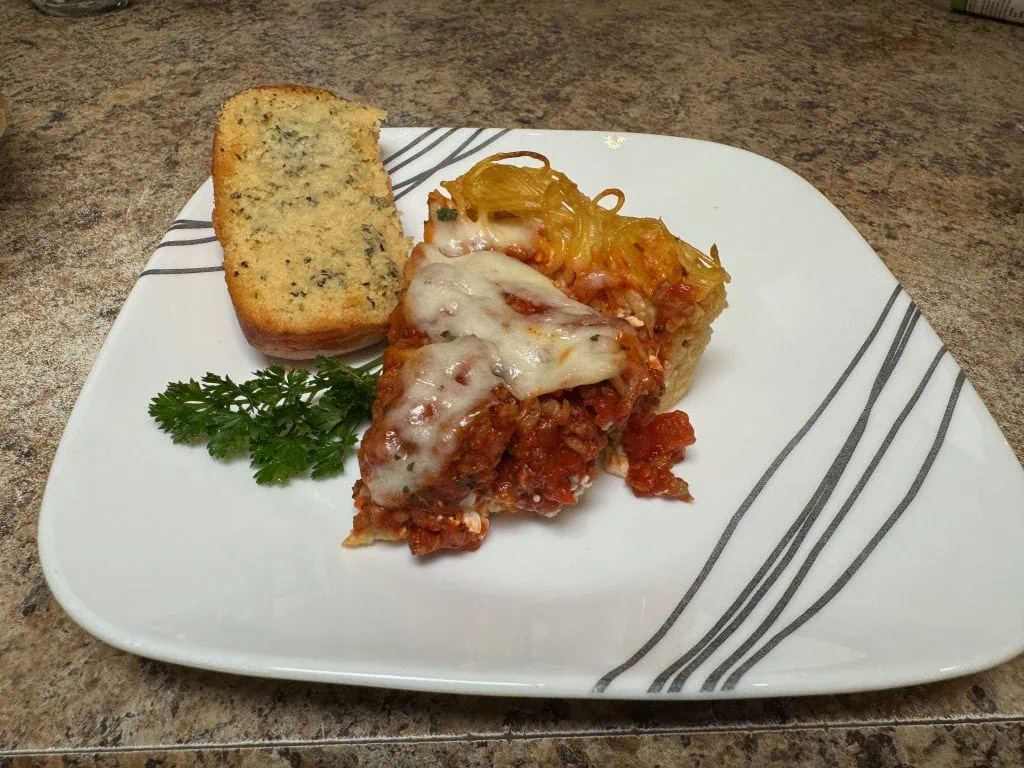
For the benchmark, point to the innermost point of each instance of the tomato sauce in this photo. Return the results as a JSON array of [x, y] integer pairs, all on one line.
[[523, 306], [533, 456], [653, 444]]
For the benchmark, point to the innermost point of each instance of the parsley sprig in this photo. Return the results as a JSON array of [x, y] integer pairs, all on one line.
[[290, 421]]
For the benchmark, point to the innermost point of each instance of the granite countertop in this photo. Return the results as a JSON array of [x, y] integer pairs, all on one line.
[[910, 118]]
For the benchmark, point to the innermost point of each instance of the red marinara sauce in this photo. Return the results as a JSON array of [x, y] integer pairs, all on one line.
[[523, 306], [653, 443]]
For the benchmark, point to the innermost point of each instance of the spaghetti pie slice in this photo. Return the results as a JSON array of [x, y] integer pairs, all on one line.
[[514, 366]]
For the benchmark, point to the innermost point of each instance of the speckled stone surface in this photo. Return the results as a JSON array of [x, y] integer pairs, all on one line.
[[910, 118], [936, 746]]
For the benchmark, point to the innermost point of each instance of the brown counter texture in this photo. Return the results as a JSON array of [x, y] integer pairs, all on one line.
[[910, 118]]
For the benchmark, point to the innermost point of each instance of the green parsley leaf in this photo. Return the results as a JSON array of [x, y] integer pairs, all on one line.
[[289, 422], [447, 214]]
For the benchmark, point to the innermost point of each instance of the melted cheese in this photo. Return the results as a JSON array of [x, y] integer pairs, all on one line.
[[565, 345], [479, 342], [443, 385], [462, 236]]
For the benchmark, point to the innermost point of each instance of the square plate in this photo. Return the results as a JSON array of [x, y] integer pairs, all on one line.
[[857, 521]]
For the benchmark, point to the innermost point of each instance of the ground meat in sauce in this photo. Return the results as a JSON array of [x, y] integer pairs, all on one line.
[[653, 444], [553, 450], [675, 302], [432, 515], [431, 532], [528, 456], [426, 529]]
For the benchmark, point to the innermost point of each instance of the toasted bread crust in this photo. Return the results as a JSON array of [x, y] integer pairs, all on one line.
[[295, 346]]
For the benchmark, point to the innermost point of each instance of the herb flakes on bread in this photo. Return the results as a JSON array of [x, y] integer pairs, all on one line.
[[313, 244]]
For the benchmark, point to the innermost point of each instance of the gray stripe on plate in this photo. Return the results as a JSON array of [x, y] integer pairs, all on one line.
[[402, 150], [422, 174], [423, 151], [734, 522], [790, 542], [844, 579], [180, 243], [190, 224], [833, 526], [181, 271], [453, 158]]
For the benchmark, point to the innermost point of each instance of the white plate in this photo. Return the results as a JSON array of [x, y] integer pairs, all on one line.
[[159, 550]]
